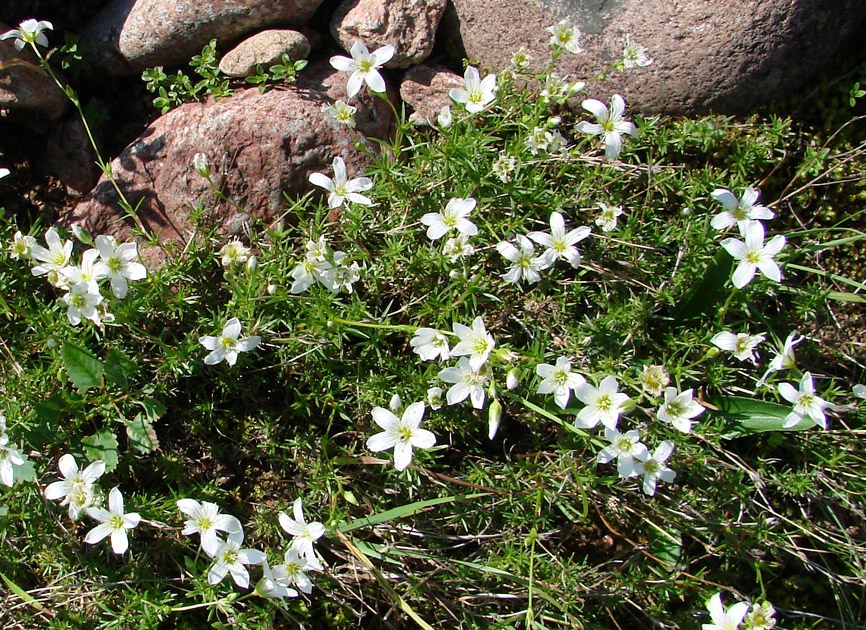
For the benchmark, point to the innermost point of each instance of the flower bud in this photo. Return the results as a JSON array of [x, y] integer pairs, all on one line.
[[434, 397], [272, 289], [252, 264], [512, 378], [200, 163], [444, 118], [494, 415], [82, 235]]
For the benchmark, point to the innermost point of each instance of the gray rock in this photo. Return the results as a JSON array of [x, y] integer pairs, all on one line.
[[266, 49], [727, 56], [258, 146], [26, 88], [131, 35], [425, 89], [408, 25]]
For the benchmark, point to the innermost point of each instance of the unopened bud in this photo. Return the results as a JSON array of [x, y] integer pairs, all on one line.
[[512, 378], [494, 415], [200, 163], [252, 264], [82, 235]]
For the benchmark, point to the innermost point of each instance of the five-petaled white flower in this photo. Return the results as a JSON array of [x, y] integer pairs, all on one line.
[[205, 520], [606, 220], [53, 259], [9, 456], [29, 32], [654, 379], [364, 67], [741, 345], [305, 534], [806, 403], [761, 617], [21, 246], [678, 409], [634, 55], [453, 217], [785, 359], [475, 342], [112, 522], [234, 252], [430, 344], [76, 488], [230, 558], [467, 382], [477, 93], [565, 35], [525, 264], [274, 583], [738, 211], [342, 112], [227, 345], [400, 433], [82, 302], [118, 262], [341, 187], [653, 467], [559, 380], [626, 448], [89, 271], [754, 255], [610, 125], [559, 243], [603, 404], [295, 570], [457, 247], [722, 618]]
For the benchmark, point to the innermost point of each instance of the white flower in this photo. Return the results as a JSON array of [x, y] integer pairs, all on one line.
[[806, 403], [230, 558], [453, 217], [82, 302], [434, 398], [342, 112], [525, 264], [653, 467], [444, 118], [754, 255], [564, 35], [305, 534], [559, 243], [89, 271], [227, 345], [430, 344], [610, 125], [364, 67], [339, 276], [742, 345], [457, 247], [295, 570], [112, 522], [9, 456], [654, 379], [76, 488], [607, 219], [341, 187], [21, 246], [400, 433], [119, 264], [234, 252], [723, 619], [205, 520], [603, 405], [55, 258], [274, 583], [678, 409], [761, 617], [467, 382], [29, 32], [634, 55], [201, 165], [559, 380], [537, 140], [520, 58], [504, 166], [4, 172], [306, 273], [477, 93], [784, 360], [738, 211], [475, 342], [625, 448]]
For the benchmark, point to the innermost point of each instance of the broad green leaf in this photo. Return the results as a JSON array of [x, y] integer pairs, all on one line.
[[83, 367], [118, 368], [142, 437], [746, 416], [152, 408], [102, 445], [667, 547], [709, 291], [24, 473]]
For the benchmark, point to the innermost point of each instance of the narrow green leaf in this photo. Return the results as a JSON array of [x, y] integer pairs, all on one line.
[[20, 592], [842, 296], [746, 416], [402, 512], [102, 445], [709, 291], [83, 367]]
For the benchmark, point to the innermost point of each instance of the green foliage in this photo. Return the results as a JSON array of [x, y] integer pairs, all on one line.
[[285, 72], [179, 88]]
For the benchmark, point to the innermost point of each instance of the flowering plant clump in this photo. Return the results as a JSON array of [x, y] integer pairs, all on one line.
[[588, 431]]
